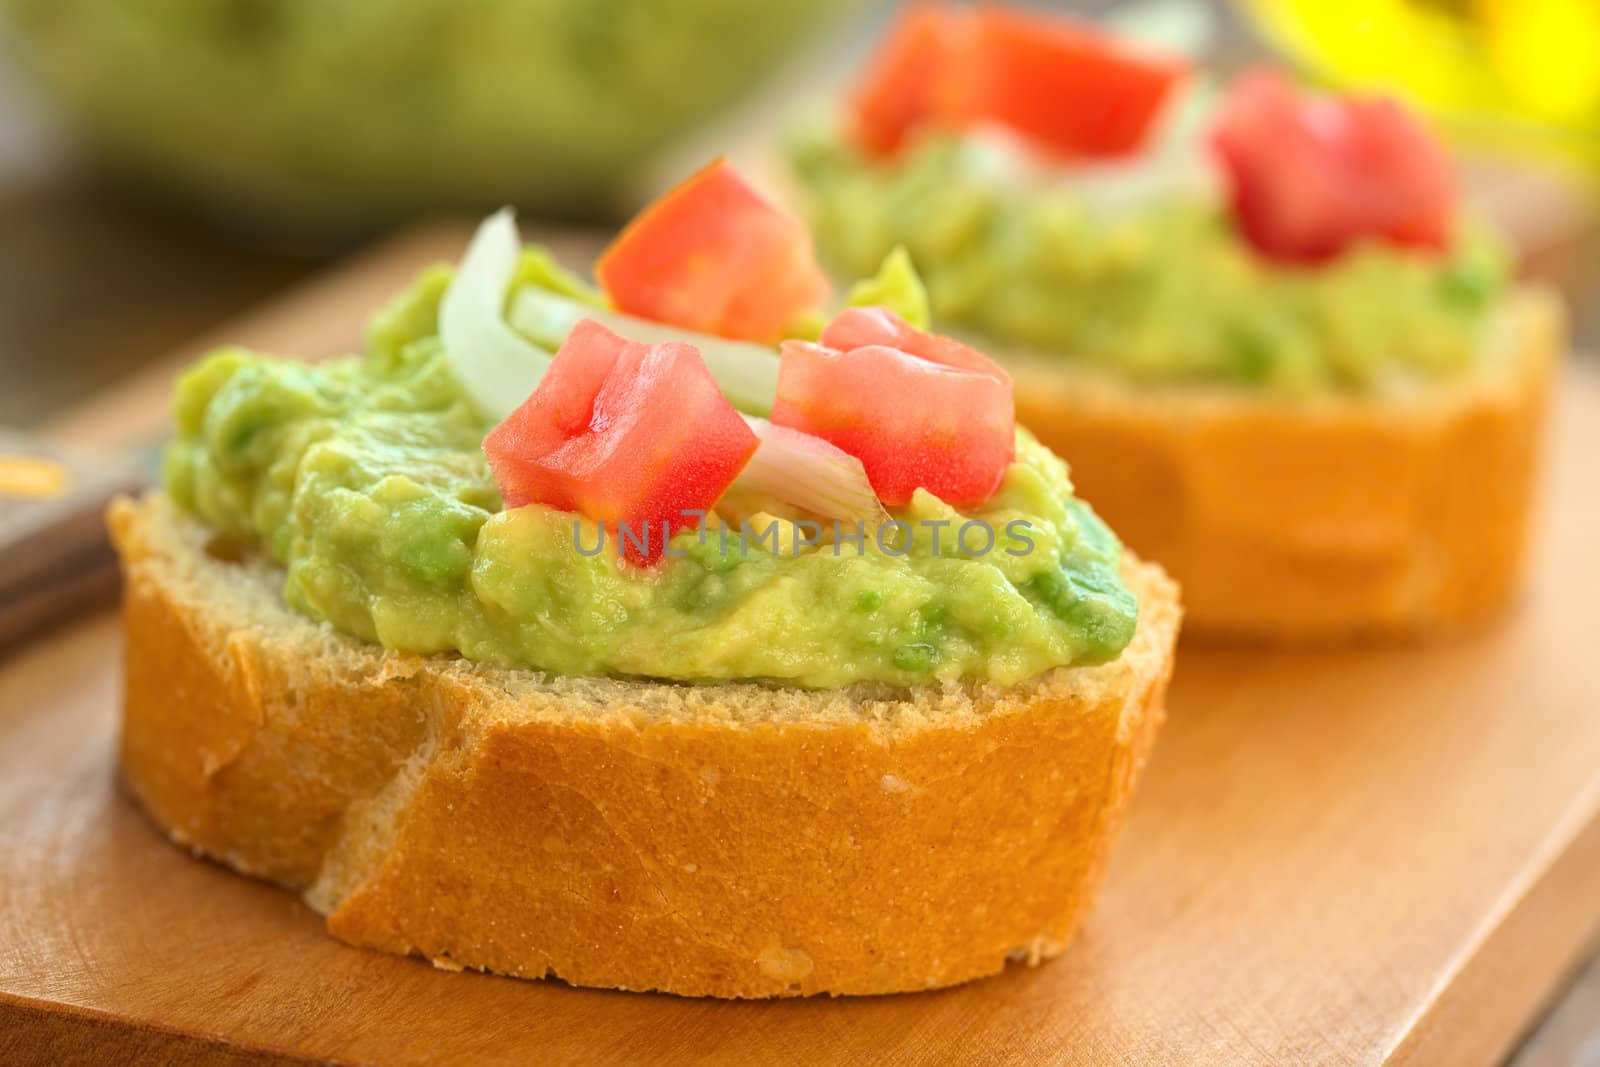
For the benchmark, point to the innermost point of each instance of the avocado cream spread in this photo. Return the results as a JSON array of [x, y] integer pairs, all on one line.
[[365, 478], [1161, 290]]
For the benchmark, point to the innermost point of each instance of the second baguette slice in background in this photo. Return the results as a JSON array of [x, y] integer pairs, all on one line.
[[1324, 519]]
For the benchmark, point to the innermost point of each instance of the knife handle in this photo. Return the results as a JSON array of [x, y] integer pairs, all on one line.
[[54, 553]]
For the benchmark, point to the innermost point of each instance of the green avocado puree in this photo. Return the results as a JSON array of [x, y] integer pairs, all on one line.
[[1163, 290], [366, 479]]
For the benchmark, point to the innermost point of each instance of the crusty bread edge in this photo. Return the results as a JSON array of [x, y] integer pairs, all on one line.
[[731, 840]]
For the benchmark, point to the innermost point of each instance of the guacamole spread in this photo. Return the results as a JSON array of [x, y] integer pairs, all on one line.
[[1159, 291], [366, 479]]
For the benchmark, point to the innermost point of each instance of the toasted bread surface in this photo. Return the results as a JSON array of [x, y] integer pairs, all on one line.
[[1317, 519], [732, 840]]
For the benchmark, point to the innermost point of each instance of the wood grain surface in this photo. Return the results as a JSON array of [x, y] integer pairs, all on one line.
[[1362, 856]]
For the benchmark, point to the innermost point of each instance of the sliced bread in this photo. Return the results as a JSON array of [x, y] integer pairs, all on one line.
[[733, 840]]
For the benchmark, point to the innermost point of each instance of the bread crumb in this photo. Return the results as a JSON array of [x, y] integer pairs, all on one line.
[[784, 964]]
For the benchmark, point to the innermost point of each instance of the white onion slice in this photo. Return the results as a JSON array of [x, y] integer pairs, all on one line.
[[746, 373], [497, 365], [808, 472]]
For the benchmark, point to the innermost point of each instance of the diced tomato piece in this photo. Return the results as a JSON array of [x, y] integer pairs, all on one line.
[[714, 255], [1311, 174], [918, 410], [857, 327], [625, 433], [896, 90], [1066, 86]]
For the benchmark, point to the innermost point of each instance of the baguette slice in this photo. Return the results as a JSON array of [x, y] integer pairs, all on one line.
[[1317, 520], [730, 840]]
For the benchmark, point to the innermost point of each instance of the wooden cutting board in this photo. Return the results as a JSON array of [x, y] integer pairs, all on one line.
[[1389, 855]]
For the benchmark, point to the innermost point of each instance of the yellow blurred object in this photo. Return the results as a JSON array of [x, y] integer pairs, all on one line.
[[1514, 72], [32, 476], [1548, 53]]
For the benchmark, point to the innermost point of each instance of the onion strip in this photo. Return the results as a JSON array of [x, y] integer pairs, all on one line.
[[497, 365], [746, 373], [810, 473]]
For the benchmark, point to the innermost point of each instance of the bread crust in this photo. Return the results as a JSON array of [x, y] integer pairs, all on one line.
[[730, 840], [1325, 519]]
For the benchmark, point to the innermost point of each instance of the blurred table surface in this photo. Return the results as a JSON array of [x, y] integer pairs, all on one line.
[[93, 284]]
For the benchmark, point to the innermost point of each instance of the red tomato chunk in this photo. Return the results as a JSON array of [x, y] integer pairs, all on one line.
[[918, 410], [1311, 174], [895, 92], [715, 256], [625, 433], [1065, 86]]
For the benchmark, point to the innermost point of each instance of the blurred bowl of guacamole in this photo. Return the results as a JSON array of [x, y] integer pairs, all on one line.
[[330, 117]]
